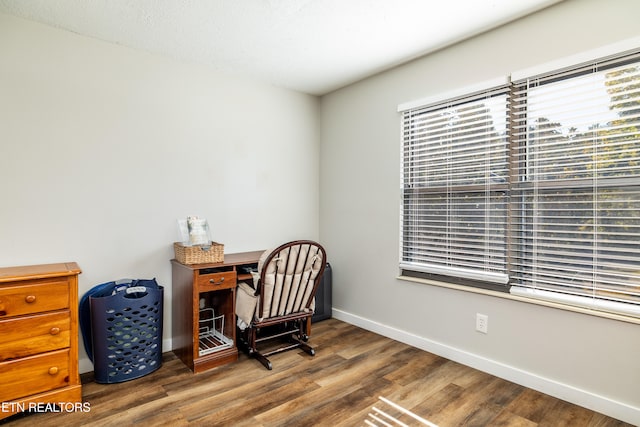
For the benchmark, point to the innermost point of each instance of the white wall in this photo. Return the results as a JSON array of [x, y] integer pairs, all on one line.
[[589, 360], [103, 148]]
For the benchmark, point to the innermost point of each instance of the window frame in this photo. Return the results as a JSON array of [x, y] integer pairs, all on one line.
[[571, 64]]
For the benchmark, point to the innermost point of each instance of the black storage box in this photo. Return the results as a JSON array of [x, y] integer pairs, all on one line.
[[323, 297]]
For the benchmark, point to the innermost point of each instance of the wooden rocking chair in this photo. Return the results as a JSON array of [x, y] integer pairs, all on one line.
[[281, 302]]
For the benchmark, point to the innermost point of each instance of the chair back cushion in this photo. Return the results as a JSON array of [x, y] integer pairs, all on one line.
[[289, 277]]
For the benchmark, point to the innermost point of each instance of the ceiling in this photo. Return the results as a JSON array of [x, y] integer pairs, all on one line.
[[312, 46]]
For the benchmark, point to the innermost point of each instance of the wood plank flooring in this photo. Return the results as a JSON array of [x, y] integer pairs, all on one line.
[[337, 387]]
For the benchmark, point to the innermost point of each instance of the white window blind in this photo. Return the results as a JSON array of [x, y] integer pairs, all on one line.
[[576, 201], [454, 187]]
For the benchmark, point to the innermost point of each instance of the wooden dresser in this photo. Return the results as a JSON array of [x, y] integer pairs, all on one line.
[[38, 336]]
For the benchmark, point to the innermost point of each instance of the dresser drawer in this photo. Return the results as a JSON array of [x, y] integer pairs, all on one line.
[[34, 374], [213, 281], [34, 297], [28, 335]]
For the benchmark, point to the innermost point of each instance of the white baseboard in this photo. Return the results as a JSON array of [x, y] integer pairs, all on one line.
[[548, 386]]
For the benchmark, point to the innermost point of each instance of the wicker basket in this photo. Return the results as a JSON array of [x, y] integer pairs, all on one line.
[[199, 254]]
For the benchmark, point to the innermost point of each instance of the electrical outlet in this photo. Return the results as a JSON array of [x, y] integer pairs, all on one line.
[[482, 323]]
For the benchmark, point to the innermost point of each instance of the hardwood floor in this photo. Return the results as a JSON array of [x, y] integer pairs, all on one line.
[[337, 387]]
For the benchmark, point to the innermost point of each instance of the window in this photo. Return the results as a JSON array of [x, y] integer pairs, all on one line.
[[455, 174], [546, 203]]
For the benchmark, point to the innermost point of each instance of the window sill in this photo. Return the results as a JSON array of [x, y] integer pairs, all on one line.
[[509, 296]]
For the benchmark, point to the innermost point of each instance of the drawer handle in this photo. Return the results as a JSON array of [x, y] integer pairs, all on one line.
[[54, 331], [213, 282], [53, 370], [30, 299]]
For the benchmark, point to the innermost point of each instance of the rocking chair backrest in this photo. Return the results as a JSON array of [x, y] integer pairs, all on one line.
[[289, 278]]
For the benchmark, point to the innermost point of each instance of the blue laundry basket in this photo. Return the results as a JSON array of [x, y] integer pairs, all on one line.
[[121, 325]]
